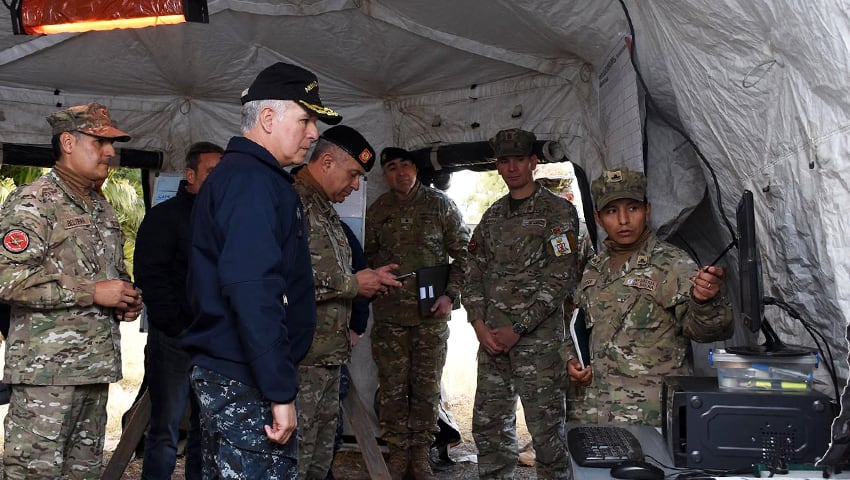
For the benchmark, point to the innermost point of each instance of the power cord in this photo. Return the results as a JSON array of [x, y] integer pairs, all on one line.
[[828, 360], [670, 123]]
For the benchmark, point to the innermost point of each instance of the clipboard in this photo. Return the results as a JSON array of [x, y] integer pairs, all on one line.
[[431, 284], [581, 336]]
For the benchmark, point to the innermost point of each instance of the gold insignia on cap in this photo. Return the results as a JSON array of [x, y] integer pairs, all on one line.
[[311, 85], [319, 109], [613, 176], [365, 156]]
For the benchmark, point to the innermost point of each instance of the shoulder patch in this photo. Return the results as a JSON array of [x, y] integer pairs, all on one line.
[[472, 247], [641, 282], [16, 241], [561, 245]]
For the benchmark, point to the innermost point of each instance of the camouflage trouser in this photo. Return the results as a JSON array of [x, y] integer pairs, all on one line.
[[55, 432], [410, 364], [582, 403], [536, 374], [318, 411], [233, 439]]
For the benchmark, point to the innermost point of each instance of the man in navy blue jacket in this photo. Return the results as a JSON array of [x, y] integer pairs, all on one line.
[[251, 282]]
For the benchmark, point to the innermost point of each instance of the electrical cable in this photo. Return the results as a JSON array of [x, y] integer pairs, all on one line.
[[828, 359], [670, 123]]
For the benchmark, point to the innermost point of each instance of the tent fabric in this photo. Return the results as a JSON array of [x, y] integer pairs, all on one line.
[[760, 87]]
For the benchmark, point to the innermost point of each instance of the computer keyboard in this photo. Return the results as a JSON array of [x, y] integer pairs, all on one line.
[[602, 445]]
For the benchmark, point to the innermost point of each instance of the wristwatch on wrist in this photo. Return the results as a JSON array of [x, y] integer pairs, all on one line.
[[519, 329], [452, 295]]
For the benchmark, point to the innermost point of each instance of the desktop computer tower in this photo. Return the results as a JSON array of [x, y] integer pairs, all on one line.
[[707, 428]]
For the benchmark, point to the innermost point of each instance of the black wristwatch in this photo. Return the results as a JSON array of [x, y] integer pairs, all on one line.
[[452, 295], [519, 329]]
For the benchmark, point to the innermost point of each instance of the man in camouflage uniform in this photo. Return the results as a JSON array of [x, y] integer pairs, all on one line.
[[341, 156], [62, 270], [413, 226], [645, 300], [524, 267]]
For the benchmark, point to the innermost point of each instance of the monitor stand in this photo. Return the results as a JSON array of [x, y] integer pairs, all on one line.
[[772, 346]]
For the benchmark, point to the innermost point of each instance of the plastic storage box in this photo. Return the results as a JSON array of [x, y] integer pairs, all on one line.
[[762, 372]]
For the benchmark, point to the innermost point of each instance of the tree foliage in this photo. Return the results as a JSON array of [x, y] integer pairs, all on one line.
[[474, 192], [125, 198]]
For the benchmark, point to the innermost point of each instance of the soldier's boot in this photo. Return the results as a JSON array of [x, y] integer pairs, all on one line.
[[397, 461], [420, 465]]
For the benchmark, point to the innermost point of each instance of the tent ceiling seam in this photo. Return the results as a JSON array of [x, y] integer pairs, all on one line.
[[385, 14], [319, 8]]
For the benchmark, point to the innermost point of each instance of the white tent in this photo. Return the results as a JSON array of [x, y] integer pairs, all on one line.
[[761, 87]]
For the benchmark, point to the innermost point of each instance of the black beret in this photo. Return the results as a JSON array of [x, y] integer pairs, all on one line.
[[283, 81], [391, 153], [352, 142]]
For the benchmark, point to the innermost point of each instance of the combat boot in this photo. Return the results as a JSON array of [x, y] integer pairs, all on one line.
[[397, 461], [420, 465]]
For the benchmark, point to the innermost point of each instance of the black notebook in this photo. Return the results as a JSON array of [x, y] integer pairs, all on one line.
[[581, 336], [432, 282]]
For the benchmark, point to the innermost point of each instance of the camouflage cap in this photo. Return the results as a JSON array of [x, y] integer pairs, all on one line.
[[512, 142], [616, 184], [92, 119]]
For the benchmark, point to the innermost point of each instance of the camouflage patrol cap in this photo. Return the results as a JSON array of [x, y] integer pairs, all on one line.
[[616, 184], [512, 142], [92, 119]]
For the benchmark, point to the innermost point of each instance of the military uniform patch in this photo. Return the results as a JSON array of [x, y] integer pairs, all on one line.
[[78, 221], [561, 245], [596, 260], [613, 176], [472, 247], [16, 241], [534, 222], [588, 282], [640, 282]]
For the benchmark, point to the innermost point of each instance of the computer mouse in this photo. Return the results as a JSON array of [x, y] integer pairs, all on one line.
[[637, 470]]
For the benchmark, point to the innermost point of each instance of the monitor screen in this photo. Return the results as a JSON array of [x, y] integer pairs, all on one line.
[[752, 289], [749, 264]]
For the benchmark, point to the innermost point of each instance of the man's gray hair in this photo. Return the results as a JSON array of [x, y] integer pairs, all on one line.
[[251, 112], [324, 145]]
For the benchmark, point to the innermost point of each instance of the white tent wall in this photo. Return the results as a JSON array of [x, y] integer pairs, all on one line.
[[760, 86], [762, 89]]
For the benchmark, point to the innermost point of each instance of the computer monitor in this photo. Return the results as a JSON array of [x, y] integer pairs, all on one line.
[[752, 290]]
